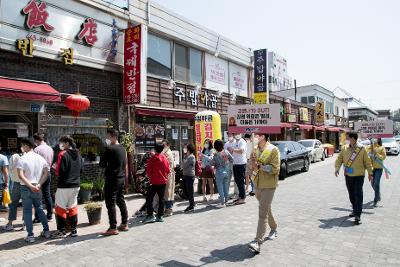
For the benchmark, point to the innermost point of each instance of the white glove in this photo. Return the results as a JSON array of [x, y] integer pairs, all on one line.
[[267, 168]]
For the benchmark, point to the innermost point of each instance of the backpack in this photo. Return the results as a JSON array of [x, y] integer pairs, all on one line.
[[197, 168]]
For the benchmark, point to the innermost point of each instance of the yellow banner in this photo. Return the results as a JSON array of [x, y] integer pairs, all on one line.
[[207, 126], [261, 98], [320, 112]]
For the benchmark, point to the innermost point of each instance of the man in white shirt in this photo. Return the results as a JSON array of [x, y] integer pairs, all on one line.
[[228, 145], [238, 151], [32, 171]]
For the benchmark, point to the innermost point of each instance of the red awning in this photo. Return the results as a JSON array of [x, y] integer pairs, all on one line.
[[305, 126], [317, 128], [165, 113], [28, 90], [286, 125], [333, 129]]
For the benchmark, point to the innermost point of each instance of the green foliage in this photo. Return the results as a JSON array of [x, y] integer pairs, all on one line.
[[86, 185], [98, 185], [127, 141], [93, 206]]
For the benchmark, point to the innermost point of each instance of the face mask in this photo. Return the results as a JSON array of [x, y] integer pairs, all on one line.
[[238, 136], [230, 138], [206, 146], [347, 142], [185, 150], [108, 142], [61, 146], [22, 149]]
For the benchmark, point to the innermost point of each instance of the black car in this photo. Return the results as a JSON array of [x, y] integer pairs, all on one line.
[[294, 157]]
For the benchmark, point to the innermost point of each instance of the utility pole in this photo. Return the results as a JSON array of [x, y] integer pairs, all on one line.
[[295, 90]]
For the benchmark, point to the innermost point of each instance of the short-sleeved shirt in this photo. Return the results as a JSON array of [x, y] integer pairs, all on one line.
[[32, 164], [3, 164], [46, 152], [240, 159]]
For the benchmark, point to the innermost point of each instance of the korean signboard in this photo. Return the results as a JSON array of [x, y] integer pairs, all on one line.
[[238, 80], [204, 99], [378, 128], [291, 118], [207, 126], [216, 73], [320, 112], [132, 53], [259, 118], [303, 114], [260, 77]]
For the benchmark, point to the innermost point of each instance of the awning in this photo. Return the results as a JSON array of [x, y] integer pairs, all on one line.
[[333, 129], [165, 113], [286, 125], [305, 126], [28, 90], [317, 128]]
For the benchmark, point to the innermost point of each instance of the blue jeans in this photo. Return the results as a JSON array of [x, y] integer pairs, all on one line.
[[169, 204], [15, 198], [222, 177], [252, 185], [377, 174], [34, 199], [355, 188]]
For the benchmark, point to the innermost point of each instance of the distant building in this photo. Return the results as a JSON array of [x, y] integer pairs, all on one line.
[[278, 75], [385, 114]]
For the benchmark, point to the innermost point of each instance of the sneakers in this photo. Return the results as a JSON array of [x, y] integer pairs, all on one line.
[[159, 219], [123, 228], [111, 232], [272, 235], [189, 209], [45, 234], [8, 227], [239, 201], [30, 239], [255, 247], [168, 212], [221, 205], [140, 213], [357, 220], [58, 234], [252, 194], [211, 198], [74, 233], [149, 219], [205, 199]]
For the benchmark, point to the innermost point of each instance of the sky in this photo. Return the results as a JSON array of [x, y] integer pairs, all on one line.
[[351, 44]]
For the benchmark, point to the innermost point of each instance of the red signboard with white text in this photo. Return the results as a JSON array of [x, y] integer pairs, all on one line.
[[132, 47]]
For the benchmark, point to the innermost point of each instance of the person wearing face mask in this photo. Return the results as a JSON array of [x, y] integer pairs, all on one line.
[[170, 188], [377, 156], [239, 152], [355, 161], [188, 169], [68, 170], [250, 148], [228, 146], [115, 162], [207, 173]]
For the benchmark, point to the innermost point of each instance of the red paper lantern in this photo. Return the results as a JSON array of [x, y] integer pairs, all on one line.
[[77, 103]]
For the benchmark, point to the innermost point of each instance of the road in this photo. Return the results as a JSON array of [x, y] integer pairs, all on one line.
[[311, 210]]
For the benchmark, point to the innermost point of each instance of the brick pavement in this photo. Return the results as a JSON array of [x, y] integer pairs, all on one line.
[[314, 230]]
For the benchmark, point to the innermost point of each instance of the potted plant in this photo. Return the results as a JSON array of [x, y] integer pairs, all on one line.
[[93, 211], [86, 191], [98, 187]]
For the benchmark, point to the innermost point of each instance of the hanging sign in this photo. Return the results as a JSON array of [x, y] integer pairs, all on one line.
[[132, 47], [260, 77], [320, 112]]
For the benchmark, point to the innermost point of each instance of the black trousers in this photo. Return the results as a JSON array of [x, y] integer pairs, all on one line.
[[188, 189], [355, 188], [114, 194], [239, 172], [158, 189]]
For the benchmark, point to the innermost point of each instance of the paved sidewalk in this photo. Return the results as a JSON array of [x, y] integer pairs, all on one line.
[[314, 230]]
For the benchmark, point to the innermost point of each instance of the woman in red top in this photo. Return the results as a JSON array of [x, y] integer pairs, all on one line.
[[157, 170]]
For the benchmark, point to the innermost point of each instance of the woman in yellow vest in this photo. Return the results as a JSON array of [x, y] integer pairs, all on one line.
[[377, 155], [266, 166]]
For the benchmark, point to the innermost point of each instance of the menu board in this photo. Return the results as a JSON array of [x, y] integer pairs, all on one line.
[[149, 134]]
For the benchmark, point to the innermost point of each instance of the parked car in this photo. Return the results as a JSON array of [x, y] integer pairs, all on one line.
[[391, 146], [294, 157], [314, 146], [397, 137], [365, 142]]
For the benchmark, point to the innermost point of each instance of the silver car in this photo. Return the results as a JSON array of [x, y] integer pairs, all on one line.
[[391, 146], [314, 146]]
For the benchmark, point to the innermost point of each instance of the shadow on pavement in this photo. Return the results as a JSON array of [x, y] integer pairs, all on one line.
[[349, 210], [336, 222]]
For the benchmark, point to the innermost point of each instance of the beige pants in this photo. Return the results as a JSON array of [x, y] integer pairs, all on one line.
[[264, 197]]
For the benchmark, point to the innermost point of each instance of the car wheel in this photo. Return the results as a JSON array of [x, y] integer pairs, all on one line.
[[306, 165], [323, 156], [284, 172]]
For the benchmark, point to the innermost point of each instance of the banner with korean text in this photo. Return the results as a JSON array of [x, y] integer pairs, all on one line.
[[259, 118], [260, 77], [378, 128], [132, 62]]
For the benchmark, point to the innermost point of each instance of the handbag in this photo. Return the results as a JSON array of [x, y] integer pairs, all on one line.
[[6, 197]]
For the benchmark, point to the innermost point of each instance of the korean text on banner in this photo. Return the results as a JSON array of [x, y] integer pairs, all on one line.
[[320, 112], [132, 61], [207, 126], [379, 128], [259, 118], [260, 77]]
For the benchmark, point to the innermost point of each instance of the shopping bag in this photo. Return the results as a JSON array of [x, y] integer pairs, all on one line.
[[6, 197]]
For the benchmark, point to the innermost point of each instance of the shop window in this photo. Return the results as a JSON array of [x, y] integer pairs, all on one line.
[[304, 100], [181, 63], [159, 56], [90, 146], [196, 73], [311, 99], [337, 110]]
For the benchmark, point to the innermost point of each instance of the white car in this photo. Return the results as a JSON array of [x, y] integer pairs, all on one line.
[[391, 146], [397, 137], [314, 146]]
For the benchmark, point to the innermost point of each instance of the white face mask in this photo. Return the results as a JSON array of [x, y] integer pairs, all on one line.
[[347, 142], [230, 138], [206, 146], [22, 149], [61, 146], [185, 150], [238, 136], [108, 142]]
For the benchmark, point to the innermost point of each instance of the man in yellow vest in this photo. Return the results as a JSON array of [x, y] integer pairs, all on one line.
[[266, 166], [355, 161]]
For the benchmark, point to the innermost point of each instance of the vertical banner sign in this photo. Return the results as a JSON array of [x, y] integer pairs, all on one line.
[[320, 112], [132, 47], [207, 126], [260, 77]]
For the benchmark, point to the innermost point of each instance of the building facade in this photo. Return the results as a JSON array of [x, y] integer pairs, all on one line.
[[278, 78]]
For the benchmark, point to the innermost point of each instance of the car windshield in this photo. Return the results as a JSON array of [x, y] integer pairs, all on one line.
[[388, 140], [307, 143], [281, 147]]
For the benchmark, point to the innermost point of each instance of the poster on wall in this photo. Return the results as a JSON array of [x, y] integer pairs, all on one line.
[[159, 132], [216, 73], [303, 114], [238, 80], [150, 135], [132, 61], [260, 77], [139, 134], [379, 128], [259, 118]]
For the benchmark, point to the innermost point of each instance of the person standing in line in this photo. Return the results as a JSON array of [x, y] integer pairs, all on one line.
[[207, 173], [239, 151], [250, 148], [115, 162], [68, 170], [266, 162], [157, 170], [222, 161], [170, 189], [3, 179], [47, 153], [377, 156], [188, 169], [228, 145], [15, 192], [355, 161], [32, 172]]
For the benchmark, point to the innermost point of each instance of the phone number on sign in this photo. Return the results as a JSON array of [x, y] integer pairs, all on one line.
[[253, 110]]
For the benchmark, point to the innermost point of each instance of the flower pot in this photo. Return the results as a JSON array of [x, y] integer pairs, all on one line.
[[94, 216], [84, 196]]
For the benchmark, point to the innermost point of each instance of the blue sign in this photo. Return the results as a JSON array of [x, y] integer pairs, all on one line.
[[35, 108]]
